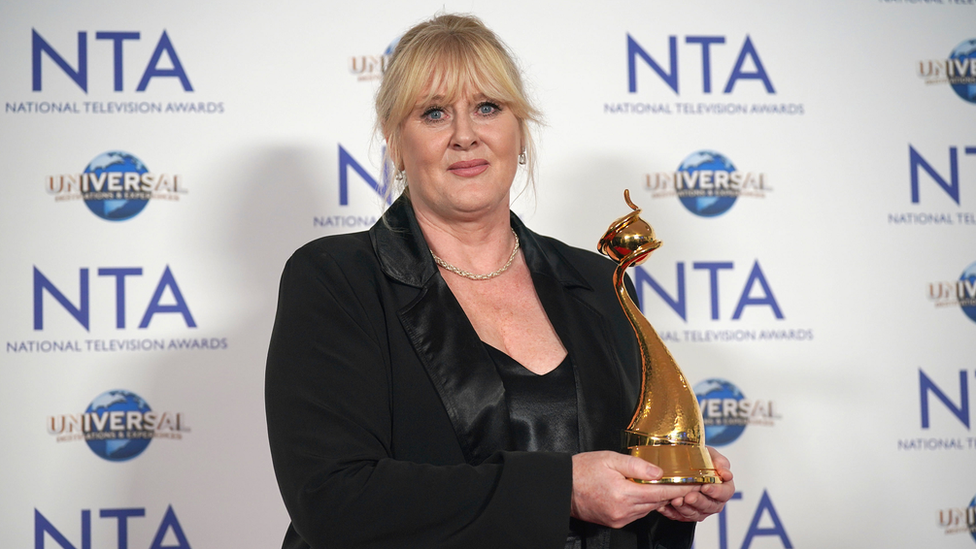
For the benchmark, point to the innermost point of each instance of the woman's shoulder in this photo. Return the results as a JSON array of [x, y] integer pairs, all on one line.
[[596, 269], [586, 261], [335, 245], [345, 252]]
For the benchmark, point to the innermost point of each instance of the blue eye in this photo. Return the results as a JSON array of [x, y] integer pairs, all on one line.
[[434, 114], [487, 108]]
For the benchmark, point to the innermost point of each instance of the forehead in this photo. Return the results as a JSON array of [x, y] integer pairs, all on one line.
[[451, 77], [445, 95]]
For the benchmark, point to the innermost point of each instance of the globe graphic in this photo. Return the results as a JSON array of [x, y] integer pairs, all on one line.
[[117, 449], [706, 206], [392, 46], [966, 50], [115, 209], [969, 279], [972, 532], [719, 389]]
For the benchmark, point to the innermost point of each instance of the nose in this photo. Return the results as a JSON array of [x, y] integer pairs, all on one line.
[[465, 136]]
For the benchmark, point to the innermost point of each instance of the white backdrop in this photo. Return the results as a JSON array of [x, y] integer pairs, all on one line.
[[841, 333]]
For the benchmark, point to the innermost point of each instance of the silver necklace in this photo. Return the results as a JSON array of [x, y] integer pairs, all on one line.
[[472, 276]]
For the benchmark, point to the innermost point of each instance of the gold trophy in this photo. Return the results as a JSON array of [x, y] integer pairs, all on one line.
[[667, 428]]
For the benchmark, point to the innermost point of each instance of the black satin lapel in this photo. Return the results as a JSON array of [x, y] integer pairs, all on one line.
[[584, 333], [400, 246], [461, 370]]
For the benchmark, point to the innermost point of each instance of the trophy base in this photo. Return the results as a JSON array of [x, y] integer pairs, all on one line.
[[681, 463]]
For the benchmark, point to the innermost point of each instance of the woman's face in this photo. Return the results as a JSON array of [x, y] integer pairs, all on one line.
[[460, 158]]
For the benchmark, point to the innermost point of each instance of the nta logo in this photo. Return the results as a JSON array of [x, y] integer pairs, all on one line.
[[79, 74], [951, 187], [115, 186], [756, 291], [170, 530], [926, 386], [118, 425], [379, 185], [944, 438], [748, 55], [81, 312]]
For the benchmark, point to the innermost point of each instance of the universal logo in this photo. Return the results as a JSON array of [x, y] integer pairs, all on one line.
[[115, 186], [707, 184], [371, 67], [118, 425], [959, 70], [726, 412], [961, 292], [959, 520]]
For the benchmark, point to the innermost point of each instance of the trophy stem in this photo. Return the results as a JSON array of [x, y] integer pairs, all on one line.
[[667, 427]]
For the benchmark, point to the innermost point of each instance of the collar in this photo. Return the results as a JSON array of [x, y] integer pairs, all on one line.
[[405, 257]]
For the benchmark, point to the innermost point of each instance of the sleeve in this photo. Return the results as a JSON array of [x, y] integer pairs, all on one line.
[[329, 423]]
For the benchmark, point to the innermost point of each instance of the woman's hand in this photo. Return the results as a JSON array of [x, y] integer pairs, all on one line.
[[604, 494], [710, 499]]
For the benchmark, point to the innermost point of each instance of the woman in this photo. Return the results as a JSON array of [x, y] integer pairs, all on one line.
[[450, 378]]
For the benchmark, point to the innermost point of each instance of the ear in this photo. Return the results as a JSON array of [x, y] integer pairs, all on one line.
[[393, 149], [523, 134]]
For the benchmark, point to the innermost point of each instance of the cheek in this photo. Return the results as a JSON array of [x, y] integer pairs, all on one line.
[[510, 138], [423, 158]]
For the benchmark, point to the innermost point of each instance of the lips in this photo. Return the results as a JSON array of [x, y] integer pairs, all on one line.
[[468, 168]]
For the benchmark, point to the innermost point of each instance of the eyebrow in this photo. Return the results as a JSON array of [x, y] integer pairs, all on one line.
[[439, 99]]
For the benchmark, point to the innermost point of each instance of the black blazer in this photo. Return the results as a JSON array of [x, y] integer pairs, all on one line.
[[387, 419]]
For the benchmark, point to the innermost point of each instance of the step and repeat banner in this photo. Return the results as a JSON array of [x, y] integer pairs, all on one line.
[[809, 166]]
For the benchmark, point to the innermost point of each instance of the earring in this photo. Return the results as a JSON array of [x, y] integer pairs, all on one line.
[[398, 177], [521, 158]]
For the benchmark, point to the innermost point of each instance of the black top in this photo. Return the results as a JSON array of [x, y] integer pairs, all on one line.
[[542, 408], [542, 411]]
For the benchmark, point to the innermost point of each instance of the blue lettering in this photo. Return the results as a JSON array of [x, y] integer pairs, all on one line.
[[122, 515], [43, 526], [634, 49], [713, 269], [167, 281], [170, 522], [766, 505], [723, 527], [756, 275], [117, 38], [40, 46], [748, 54], [120, 274], [925, 385], [705, 42], [678, 305], [346, 161], [153, 70], [41, 283], [80, 76], [748, 50], [952, 188]]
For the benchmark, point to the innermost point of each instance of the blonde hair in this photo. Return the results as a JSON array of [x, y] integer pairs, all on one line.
[[450, 55]]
